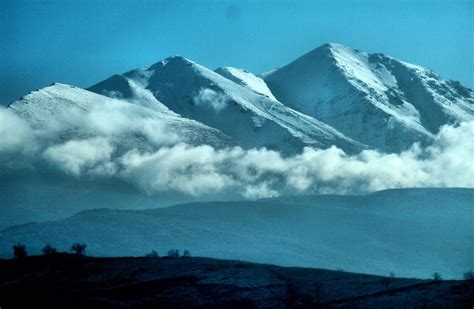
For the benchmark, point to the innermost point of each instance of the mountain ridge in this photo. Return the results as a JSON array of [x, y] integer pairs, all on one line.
[[326, 231], [379, 100], [61, 107], [332, 95], [210, 98]]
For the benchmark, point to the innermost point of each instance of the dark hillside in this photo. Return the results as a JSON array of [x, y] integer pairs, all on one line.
[[67, 281]]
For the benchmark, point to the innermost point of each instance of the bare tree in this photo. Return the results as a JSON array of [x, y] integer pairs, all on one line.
[[468, 275], [78, 248], [48, 250], [437, 277], [19, 251], [174, 253], [186, 253], [152, 254]]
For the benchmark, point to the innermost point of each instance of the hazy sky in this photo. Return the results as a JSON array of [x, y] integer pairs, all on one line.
[[83, 42]]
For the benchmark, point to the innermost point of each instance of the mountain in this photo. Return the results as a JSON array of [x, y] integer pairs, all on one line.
[[80, 125], [372, 98], [70, 112], [410, 232], [332, 96], [36, 196], [252, 118], [77, 140]]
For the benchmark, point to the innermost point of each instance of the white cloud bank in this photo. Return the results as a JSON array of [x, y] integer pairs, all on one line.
[[253, 173], [75, 156]]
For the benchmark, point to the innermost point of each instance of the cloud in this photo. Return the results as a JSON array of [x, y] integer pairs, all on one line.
[[210, 98], [116, 119], [122, 141], [15, 133], [262, 173], [112, 94], [192, 170], [75, 156]]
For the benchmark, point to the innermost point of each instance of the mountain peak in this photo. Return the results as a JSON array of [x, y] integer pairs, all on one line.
[[174, 60], [370, 98], [178, 58], [53, 87], [332, 46], [331, 50], [342, 86]]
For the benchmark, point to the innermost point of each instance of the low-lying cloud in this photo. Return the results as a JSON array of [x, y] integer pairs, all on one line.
[[15, 132], [170, 164], [75, 156], [211, 99]]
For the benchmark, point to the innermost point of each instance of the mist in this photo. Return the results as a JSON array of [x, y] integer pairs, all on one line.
[[97, 153]]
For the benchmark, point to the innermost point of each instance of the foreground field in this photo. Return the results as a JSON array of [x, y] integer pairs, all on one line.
[[67, 281]]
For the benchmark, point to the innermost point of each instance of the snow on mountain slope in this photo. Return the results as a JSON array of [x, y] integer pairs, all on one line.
[[252, 119], [131, 89], [73, 113], [373, 98], [245, 78]]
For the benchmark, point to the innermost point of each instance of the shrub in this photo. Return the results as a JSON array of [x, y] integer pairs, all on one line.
[[48, 250], [78, 248], [19, 251], [186, 253], [468, 275], [437, 277], [152, 254], [174, 253]]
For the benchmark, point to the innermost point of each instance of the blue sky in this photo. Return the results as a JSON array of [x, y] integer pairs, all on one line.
[[83, 42]]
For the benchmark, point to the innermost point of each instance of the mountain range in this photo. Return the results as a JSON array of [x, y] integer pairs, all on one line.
[[333, 95]]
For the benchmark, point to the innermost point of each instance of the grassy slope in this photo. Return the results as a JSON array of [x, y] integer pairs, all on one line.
[[412, 233], [63, 281]]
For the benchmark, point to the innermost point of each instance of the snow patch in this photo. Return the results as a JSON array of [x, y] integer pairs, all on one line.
[[247, 79]]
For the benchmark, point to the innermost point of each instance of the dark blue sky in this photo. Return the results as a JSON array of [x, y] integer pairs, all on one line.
[[83, 42]]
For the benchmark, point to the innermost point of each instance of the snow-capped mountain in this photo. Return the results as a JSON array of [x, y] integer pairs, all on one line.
[[70, 112], [239, 109], [373, 98], [333, 95]]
